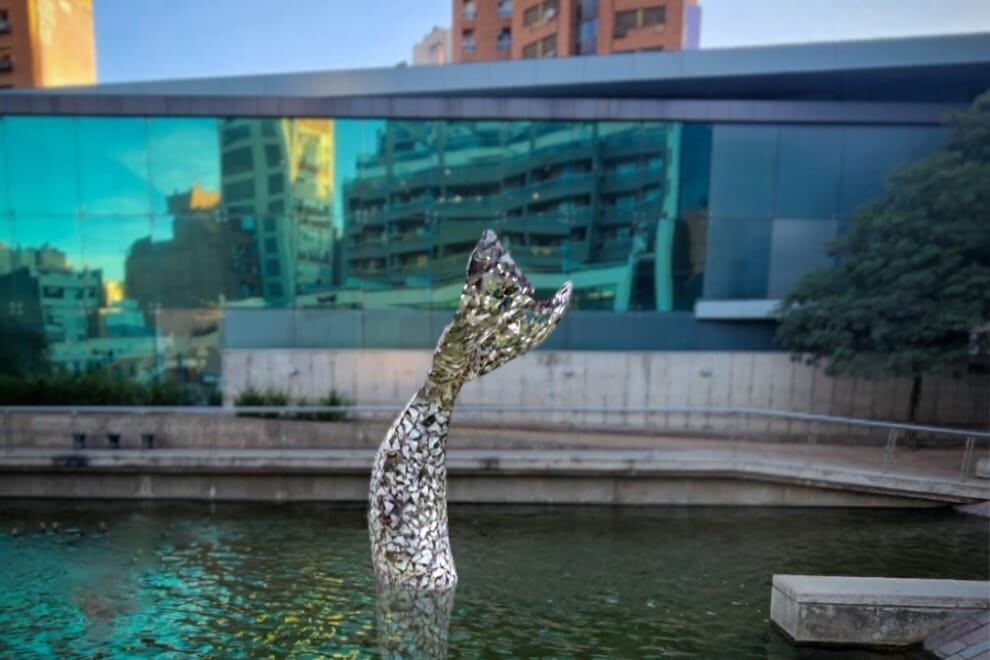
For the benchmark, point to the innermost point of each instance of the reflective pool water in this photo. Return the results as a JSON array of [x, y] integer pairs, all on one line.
[[250, 580]]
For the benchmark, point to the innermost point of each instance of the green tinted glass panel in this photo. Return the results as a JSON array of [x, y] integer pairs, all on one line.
[[113, 165], [183, 154], [42, 165]]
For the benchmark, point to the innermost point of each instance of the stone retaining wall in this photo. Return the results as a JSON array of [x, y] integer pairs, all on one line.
[[616, 380]]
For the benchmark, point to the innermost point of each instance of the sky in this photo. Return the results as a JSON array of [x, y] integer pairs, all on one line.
[[154, 39]]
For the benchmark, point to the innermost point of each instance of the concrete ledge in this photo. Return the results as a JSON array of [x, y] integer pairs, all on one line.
[[538, 476], [981, 509], [723, 310], [869, 611]]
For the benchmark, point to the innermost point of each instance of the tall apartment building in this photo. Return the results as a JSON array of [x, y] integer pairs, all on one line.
[[433, 49], [46, 43], [516, 29]]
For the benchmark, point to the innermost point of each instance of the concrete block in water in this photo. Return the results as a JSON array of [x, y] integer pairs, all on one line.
[[869, 611]]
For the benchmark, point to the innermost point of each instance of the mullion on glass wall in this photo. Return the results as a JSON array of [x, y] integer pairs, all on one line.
[[688, 254], [5, 209]]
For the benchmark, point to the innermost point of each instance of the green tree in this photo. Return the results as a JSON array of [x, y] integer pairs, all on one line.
[[911, 280]]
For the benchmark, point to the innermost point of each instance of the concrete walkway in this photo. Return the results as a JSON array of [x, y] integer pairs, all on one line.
[[825, 468], [967, 638]]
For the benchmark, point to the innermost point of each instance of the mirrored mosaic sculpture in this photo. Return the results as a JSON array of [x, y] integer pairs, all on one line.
[[498, 319]]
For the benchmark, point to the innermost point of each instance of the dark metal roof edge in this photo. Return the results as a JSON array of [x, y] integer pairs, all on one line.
[[409, 107], [480, 78]]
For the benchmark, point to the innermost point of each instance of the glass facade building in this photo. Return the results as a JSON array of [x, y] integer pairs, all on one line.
[[125, 240], [146, 228]]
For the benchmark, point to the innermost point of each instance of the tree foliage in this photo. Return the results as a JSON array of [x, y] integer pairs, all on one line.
[[911, 280], [22, 350]]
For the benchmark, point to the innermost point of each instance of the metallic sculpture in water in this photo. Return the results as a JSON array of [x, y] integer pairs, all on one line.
[[498, 319]]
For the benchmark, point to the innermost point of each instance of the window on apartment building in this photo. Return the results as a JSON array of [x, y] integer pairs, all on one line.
[[239, 190], [587, 32], [504, 39], [469, 11], [237, 161], [636, 18], [587, 37], [505, 8], [587, 10], [531, 17], [234, 133], [549, 46], [6, 60], [4, 22], [625, 21], [539, 14], [654, 16], [549, 10], [546, 47], [273, 155], [467, 41]]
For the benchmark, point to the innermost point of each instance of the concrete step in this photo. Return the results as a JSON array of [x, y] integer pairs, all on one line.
[[871, 611], [580, 473]]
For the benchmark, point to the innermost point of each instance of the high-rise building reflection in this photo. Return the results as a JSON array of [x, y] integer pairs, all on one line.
[[277, 178], [598, 202]]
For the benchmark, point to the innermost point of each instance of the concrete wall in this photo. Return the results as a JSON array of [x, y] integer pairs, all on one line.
[[336, 486], [615, 380]]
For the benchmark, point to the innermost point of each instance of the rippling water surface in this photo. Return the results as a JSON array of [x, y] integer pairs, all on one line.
[[249, 580]]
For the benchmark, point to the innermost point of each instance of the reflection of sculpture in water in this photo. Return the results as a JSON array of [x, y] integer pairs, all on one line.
[[498, 320]]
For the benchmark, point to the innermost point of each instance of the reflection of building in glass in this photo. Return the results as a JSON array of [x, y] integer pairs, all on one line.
[[21, 302], [68, 299], [180, 284], [596, 201], [209, 258], [187, 348], [277, 174], [68, 307]]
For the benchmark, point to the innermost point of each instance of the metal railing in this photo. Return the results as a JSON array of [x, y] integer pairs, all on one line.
[[735, 424]]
